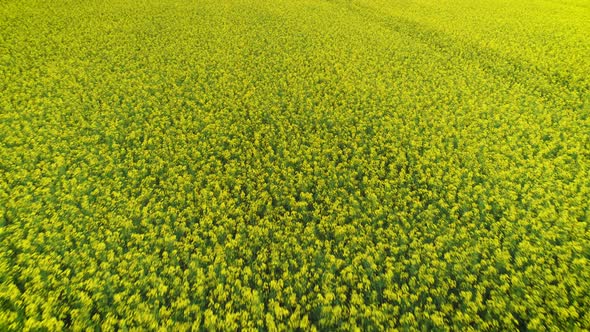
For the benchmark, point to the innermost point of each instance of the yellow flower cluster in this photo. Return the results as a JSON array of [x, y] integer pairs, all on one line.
[[369, 165]]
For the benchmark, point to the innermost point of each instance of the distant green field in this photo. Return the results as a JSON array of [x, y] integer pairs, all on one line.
[[279, 165]]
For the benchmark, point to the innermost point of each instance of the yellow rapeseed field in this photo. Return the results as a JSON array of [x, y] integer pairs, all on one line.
[[249, 165]]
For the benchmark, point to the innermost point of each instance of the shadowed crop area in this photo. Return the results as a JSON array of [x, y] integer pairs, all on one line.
[[253, 165]]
